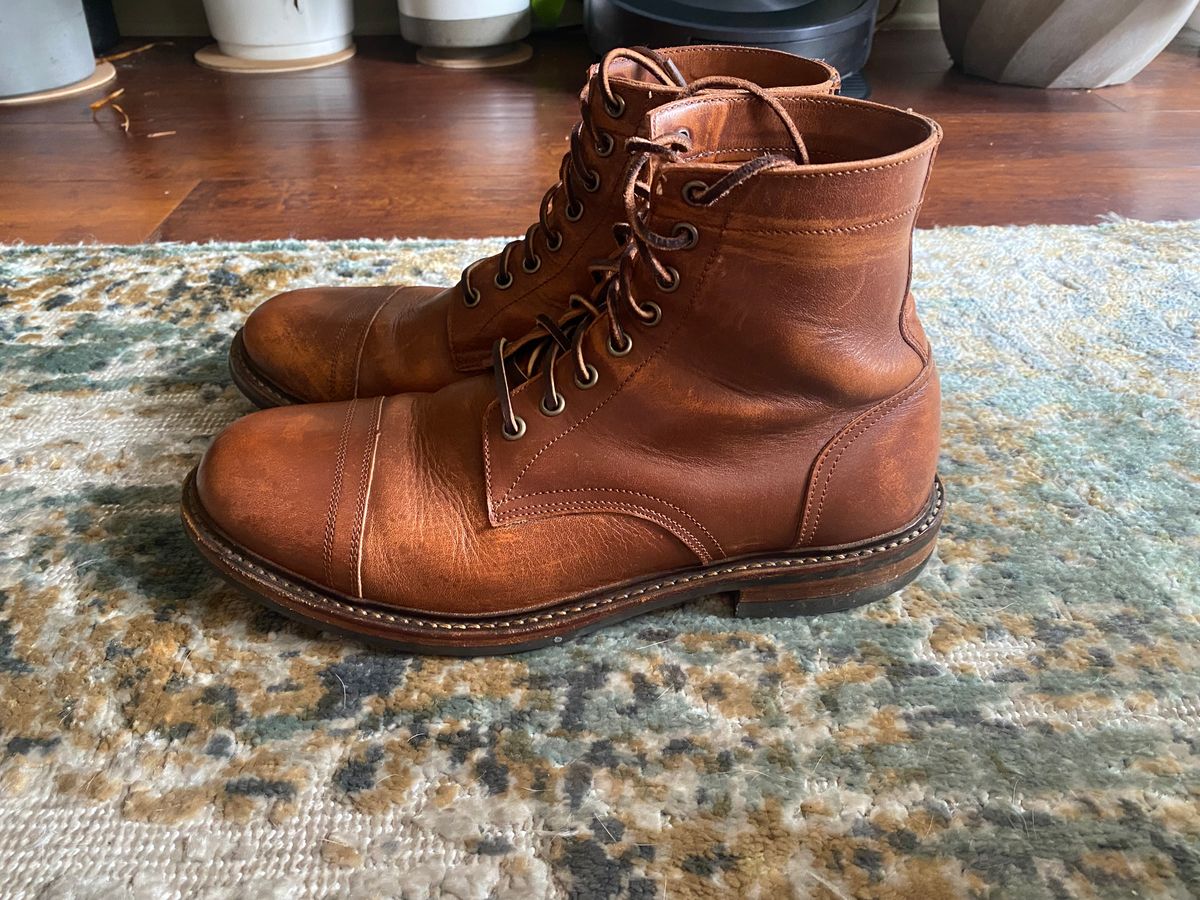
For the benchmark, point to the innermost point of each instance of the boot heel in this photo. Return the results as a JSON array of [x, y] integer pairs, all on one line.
[[825, 595]]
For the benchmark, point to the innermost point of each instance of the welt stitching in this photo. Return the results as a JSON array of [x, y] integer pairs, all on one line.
[[335, 496], [661, 347], [263, 385], [677, 509], [257, 573], [676, 528], [856, 431], [360, 508]]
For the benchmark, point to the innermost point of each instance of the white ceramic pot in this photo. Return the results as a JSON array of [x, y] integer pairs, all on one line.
[[464, 23], [280, 29], [43, 45]]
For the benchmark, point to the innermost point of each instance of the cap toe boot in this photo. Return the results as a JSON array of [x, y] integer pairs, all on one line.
[[750, 406]]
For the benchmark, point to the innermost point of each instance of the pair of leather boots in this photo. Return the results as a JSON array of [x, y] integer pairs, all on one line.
[[699, 372]]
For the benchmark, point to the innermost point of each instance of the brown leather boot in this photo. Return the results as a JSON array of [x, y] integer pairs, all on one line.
[[755, 410], [340, 343]]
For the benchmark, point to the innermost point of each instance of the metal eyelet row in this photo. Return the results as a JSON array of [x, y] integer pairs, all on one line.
[[671, 283]]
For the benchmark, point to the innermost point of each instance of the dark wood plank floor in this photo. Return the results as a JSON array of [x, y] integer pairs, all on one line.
[[384, 147]]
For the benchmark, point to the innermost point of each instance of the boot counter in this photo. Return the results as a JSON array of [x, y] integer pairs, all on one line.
[[875, 475]]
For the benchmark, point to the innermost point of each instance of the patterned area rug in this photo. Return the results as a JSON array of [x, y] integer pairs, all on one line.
[[1023, 721]]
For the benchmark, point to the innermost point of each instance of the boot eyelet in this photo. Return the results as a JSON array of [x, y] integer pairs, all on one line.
[[668, 286], [554, 241], [615, 107], [470, 301], [576, 215], [503, 283], [592, 380], [692, 192], [656, 314], [606, 144], [537, 264], [688, 229], [591, 182], [556, 409], [514, 435], [620, 351]]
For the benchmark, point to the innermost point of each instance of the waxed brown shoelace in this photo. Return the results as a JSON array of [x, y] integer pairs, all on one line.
[[613, 297], [573, 173]]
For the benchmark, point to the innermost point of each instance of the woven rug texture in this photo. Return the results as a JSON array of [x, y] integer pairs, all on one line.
[[1023, 721]]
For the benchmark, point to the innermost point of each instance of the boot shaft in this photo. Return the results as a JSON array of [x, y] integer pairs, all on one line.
[[820, 253], [787, 336], [506, 291]]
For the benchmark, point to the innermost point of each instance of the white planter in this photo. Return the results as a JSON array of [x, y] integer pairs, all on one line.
[[43, 44], [280, 29], [464, 23]]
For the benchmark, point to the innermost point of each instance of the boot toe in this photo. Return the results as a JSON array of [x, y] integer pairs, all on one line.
[[305, 342], [267, 480]]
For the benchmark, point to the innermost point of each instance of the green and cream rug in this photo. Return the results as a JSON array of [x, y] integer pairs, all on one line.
[[1023, 721]]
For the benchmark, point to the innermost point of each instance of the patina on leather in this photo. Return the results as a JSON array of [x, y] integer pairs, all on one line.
[[778, 395], [321, 344]]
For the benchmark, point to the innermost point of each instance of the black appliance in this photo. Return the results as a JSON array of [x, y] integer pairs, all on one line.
[[837, 31]]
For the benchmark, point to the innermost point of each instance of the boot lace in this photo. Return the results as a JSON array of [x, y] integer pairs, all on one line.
[[612, 301], [574, 174]]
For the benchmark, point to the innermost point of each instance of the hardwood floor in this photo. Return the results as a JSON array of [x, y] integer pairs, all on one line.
[[383, 147]]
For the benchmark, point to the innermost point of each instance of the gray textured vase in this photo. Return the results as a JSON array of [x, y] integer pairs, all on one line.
[[43, 45], [1060, 43]]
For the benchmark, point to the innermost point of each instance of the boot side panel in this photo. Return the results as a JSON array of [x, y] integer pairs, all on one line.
[[875, 474]]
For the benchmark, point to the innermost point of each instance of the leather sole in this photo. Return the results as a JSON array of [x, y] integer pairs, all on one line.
[[259, 389], [816, 580]]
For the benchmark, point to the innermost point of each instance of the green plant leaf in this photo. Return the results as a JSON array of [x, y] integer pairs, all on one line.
[[548, 11]]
